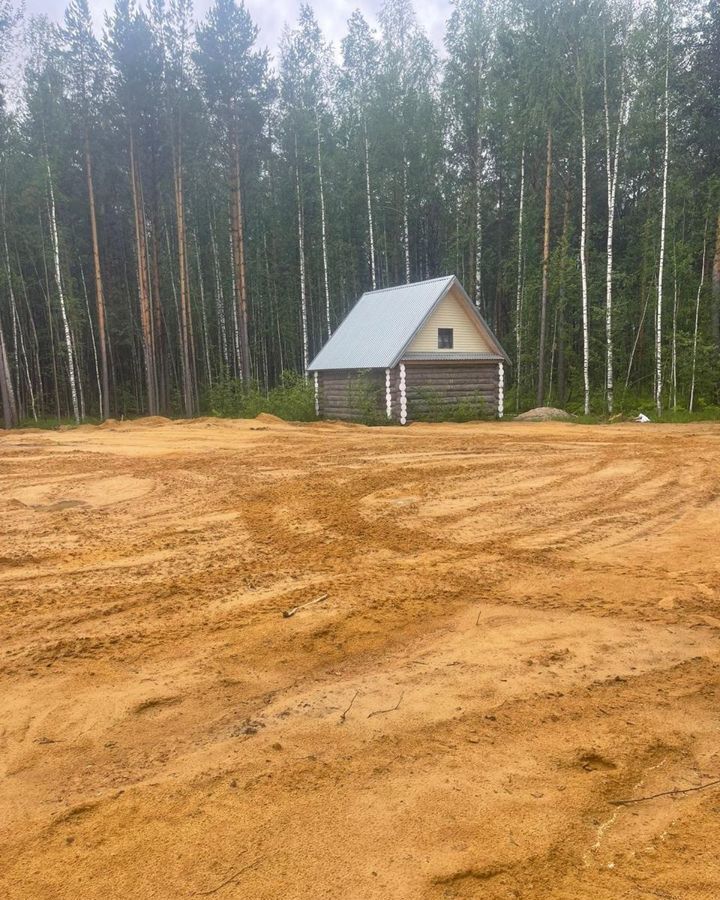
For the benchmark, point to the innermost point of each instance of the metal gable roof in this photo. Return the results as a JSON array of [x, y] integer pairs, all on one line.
[[379, 326], [382, 324]]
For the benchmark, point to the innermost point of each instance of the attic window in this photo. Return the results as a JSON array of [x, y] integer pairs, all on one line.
[[445, 338]]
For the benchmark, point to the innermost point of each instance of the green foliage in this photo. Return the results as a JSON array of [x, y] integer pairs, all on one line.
[[409, 144], [367, 397], [293, 399]]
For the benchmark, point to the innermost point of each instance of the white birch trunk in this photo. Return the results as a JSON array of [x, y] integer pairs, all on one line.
[[406, 227], [61, 296], [323, 231], [368, 195], [612, 165], [16, 319], [661, 263], [301, 251], [478, 235], [33, 331], [518, 298], [697, 319], [583, 258]]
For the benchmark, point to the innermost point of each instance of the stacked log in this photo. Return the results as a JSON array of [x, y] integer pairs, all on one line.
[[347, 393], [451, 383], [354, 394]]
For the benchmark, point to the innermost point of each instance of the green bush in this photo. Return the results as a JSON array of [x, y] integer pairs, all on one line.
[[293, 399], [367, 397]]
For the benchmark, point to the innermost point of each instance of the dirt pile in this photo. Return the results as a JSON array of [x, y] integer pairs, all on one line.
[[521, 633], [269, 419], [544, 414]]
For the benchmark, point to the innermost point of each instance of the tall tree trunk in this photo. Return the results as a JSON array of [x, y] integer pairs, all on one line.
[[219, 298], [611, 167], [51, 326], [322, 228], [477, 274], [518, 297], [99, 292], [36, 343], [203, 312], [545, 268], [301, 251], [673, 349], [92, 340], [7, 393], [661, 262], [715, 308], [583, 259], [187, 352], [234, 308], [406, 226], [236, 220], [16, 319], [562, 336], [61, 296], [371, 235], [697, 319], [146, 324]]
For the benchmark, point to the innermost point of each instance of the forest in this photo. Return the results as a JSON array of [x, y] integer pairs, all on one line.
[[186, 217]]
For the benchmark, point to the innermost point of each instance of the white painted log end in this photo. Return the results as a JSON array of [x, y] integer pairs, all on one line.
[[501, 391], [403, 396]]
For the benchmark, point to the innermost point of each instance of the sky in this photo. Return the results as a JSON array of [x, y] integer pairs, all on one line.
[[271, 15]]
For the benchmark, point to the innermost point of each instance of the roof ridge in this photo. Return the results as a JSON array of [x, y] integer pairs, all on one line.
[[397, 287]]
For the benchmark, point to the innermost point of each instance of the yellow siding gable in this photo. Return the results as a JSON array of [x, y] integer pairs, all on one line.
[[467, 333]]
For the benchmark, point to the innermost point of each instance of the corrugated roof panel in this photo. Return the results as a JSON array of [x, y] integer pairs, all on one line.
[[379, 326], [451, 356]]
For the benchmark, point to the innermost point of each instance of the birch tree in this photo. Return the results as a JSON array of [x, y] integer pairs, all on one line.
[[87, 69], [358, 84], [612, 165], [8, 20], [469, 43], [663, 217], [583, 256], [408, 66]]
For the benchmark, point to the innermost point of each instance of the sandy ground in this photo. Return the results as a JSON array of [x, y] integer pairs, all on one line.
[[522, 626]]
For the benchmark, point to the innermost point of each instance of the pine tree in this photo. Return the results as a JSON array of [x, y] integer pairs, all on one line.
[[234, 82]]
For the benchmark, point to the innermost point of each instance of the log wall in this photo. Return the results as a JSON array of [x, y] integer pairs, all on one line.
[[431, 385], [352, 394], [359, 395]]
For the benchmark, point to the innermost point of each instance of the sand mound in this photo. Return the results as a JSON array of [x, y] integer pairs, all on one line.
[[153, 420], [543, 414], [109, 423], [269, 419]]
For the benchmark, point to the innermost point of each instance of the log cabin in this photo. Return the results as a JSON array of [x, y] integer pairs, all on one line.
[[403, 351]]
